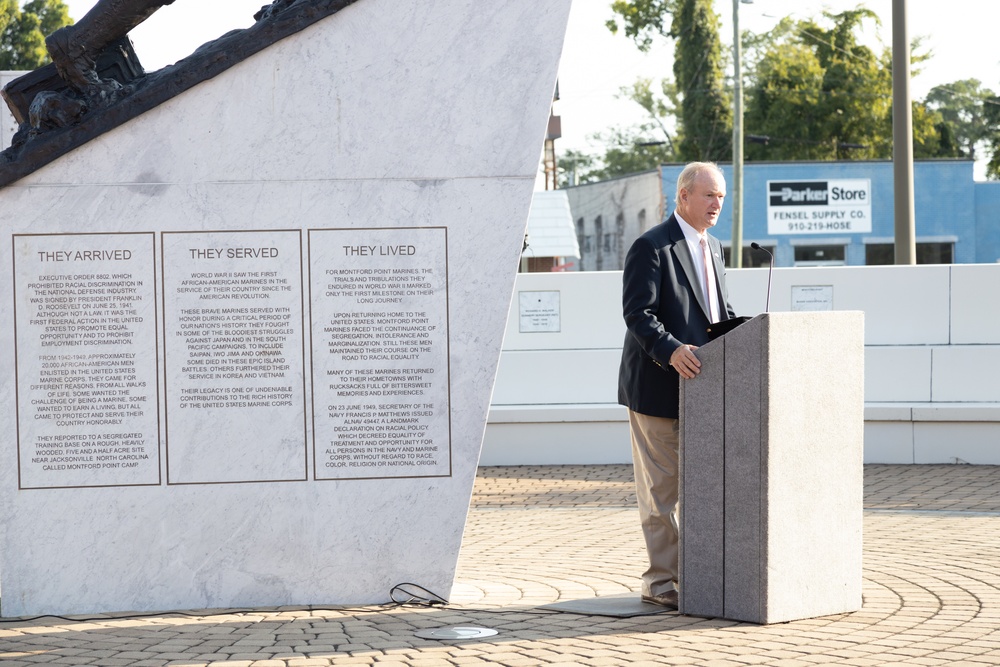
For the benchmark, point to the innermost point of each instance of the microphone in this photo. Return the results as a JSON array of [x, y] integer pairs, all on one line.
[[757, 246]]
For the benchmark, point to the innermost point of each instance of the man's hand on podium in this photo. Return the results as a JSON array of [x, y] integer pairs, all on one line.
[[685, 362]]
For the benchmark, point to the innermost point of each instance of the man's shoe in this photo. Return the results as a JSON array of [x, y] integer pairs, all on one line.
[[668, 599]]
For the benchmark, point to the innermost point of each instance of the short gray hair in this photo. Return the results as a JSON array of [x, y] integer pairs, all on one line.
[[690, 172]]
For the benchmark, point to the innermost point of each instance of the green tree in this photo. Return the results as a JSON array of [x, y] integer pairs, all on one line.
[[642, 19], [817, 93], [705, 119], [574, 167], [706, 106], [991, 111], [661, 107], [630, 150], [626, 151], [814, 90], [784, 90], [52, 14], [932, 137], [962, 106], [23, 31]]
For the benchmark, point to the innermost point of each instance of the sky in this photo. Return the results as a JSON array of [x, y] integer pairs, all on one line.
[[596, 64]]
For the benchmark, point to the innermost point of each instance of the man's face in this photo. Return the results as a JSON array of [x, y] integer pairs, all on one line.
[[701, 204]]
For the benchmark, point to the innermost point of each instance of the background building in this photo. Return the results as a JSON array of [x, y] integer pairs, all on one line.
[[609, 215], [807, 213]]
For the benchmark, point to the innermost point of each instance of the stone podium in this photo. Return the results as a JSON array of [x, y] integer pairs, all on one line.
[[771, 470], [248, 338]]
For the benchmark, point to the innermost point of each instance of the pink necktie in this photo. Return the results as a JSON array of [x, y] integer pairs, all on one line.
[[709, 279]]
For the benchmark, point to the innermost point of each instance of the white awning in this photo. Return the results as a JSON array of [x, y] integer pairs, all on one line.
[[551, 232]]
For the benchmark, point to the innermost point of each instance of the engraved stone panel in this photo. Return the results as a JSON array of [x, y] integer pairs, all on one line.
[[381, 403], [87, 406], [233, 332]]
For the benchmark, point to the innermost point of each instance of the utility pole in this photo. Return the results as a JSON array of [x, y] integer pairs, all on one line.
[[902, 138], [736, 252]]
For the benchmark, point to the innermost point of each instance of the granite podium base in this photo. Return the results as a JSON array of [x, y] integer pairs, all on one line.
[[771, 470]]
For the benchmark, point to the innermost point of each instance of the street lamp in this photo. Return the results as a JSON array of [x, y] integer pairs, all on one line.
[[736, 260]]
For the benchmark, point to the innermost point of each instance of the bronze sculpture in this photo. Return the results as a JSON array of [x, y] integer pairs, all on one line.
[[96, 83], [74, 49]]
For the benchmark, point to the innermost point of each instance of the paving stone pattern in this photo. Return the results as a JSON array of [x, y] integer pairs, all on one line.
[[537, 535]]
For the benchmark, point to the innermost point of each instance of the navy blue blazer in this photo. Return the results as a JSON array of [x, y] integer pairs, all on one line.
[[664, 308]]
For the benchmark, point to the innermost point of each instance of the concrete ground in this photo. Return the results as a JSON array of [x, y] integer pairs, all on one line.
[[537, 535]]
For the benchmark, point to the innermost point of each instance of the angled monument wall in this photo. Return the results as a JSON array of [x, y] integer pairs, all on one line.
[[250, 336]]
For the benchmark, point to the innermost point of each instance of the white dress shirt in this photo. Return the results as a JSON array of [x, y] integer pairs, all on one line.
[[693, 239]]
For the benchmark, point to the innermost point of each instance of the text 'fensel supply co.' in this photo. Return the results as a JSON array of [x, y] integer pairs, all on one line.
[[819, 207]]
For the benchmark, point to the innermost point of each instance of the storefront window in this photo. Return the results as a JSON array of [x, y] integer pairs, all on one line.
[[819, 255], [927, 253]]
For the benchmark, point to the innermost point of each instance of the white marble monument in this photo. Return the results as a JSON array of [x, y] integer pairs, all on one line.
[[249, 337]]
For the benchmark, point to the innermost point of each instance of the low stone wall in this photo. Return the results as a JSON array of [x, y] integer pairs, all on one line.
[[932, 354]]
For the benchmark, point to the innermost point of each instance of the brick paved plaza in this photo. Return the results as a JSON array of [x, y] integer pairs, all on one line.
[[538, 535]]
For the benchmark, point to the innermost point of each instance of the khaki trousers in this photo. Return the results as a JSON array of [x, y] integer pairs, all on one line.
[[654, 457]]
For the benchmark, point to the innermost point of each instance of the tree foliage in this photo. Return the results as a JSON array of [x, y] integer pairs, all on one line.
[[991, 112], [706, 106], [574, 168], [659, 105], [23, 31], [968, 121], [962, 106], [631, 150], [814, 91], [642, 20], [626, 151], [705, 114]]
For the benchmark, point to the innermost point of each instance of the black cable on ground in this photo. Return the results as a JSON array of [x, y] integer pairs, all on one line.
[[401, 595]]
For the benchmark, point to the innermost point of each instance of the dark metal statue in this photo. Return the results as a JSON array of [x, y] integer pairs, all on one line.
[[74, 49], [95, 81]]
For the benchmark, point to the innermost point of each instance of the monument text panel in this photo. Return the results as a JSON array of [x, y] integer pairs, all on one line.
[[87, 406], [234, 357], [381, 402]]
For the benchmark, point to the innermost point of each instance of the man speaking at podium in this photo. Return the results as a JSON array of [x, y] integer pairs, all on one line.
[[673, 288]]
